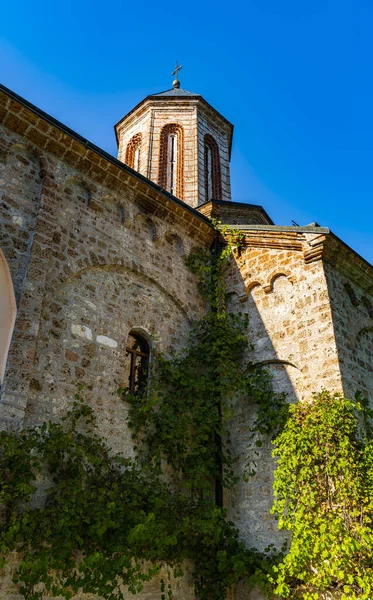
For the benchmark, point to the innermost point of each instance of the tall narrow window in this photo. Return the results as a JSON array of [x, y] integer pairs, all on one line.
[[171, 168], [133, 152], [7, 312], [213, 190], [138, 365]]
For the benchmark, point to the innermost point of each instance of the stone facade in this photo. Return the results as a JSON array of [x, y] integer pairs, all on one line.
[[95, 250]]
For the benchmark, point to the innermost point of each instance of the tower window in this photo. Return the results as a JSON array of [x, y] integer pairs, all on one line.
[[171, 168], [138, 366], [133, 152], [213, 190]]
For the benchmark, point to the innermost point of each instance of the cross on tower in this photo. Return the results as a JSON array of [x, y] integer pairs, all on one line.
[[175, 72]]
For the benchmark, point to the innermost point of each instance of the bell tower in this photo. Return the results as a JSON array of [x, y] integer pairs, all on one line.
[[179, 141]]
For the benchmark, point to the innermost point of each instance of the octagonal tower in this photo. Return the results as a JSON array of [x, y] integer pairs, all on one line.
[[179, 141]]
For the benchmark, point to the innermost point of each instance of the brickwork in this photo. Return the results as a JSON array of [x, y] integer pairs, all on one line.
[[219, 136], [133, 145], [235, 213], [139, 126], [196, 120], [211, 145]]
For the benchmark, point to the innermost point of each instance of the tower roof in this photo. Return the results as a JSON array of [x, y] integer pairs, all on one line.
[[176, 91]]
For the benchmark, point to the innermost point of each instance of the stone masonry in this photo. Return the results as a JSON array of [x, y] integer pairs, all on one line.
[[96, 249]]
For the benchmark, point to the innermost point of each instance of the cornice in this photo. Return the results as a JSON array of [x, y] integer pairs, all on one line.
[[38, 129]]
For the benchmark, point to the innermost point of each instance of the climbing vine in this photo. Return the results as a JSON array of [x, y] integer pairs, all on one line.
[[324, 498], [85, 520]]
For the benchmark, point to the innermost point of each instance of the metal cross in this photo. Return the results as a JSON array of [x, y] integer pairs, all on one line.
[[176, 71]]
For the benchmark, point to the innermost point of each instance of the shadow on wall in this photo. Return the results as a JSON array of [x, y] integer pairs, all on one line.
[[270, 317], [352, 312]]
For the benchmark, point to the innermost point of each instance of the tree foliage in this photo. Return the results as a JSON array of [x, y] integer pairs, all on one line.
[[324, 498]]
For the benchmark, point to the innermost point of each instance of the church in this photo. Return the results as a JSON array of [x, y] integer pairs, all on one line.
[[93, 276]]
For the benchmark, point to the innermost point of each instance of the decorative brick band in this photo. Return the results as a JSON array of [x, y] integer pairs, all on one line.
[[211, 147], [167, 130], [133, 145]]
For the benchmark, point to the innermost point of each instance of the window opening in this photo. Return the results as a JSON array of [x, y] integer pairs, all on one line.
[[171, 169], [172, 161], [208, 161], [133, 152], [137, 159], [138, 352], [213, 189]]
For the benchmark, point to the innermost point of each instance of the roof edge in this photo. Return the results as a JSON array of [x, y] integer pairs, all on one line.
[[102, 153]]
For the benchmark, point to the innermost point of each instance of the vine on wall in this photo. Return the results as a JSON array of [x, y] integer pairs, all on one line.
[[324, 497], [108, 523]]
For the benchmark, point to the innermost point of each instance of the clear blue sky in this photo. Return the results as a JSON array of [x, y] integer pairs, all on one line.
[[294, 76]]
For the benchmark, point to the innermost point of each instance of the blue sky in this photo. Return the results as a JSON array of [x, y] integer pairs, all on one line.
[[295, 78]]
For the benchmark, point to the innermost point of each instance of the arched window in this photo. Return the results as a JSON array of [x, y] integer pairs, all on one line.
[[212, 169], [138, 352], [133, 152], [7, 312], [171, 160]]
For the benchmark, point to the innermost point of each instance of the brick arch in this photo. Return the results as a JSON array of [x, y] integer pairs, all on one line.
[[7, 312], [283, 273], [250, 285], [117, 268], [216, 192], [167, 130], [132, 146]]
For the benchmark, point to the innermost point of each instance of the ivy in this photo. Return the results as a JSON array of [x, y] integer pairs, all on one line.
[[86, 520], [324, 497]]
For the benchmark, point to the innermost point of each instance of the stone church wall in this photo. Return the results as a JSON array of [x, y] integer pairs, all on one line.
[[95, 251], [352, 310], [286, 300], [89, 265]]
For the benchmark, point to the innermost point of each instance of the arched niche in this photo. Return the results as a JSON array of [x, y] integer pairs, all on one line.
[[8, 312]]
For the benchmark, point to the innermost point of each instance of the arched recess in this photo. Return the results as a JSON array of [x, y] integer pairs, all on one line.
[[171, 159], [116, 268], [133, 151], [268, 288], [175, 240], [8, 312], [78, 189], [213, 190]]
